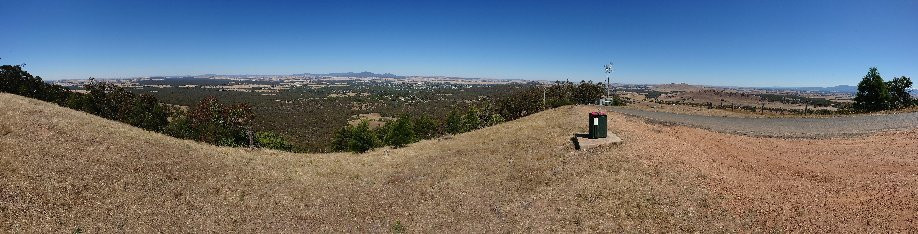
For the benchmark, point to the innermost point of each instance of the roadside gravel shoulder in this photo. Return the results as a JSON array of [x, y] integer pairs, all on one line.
[[784, 127]]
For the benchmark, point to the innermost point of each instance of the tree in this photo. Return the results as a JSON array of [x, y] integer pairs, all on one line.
[[148, 113], [872, 92], [213, 122], [588, 93], [454, 123], [17, 81], [425, 127], [471, 120], [898, 92], [357, 139], [400, 132]]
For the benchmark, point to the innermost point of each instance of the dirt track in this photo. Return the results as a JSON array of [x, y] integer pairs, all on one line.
[[784, 127]]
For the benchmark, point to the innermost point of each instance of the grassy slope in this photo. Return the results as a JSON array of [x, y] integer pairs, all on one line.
[[62, 169]]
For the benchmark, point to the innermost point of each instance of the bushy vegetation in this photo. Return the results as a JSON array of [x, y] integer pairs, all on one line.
[[116, 103], [359, 138], [534, 99], [215, 123], [210, 121], [102, 99], [272, 140], [517, 104], [17, 81], [874, 94]]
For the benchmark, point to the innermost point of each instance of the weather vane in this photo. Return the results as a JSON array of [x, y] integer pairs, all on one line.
[[609, 69]]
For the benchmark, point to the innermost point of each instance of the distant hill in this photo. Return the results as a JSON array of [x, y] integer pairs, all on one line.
[[356, 74], [835, 89]]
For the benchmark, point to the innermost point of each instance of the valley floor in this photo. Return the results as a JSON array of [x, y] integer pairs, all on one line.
[[63, 170]]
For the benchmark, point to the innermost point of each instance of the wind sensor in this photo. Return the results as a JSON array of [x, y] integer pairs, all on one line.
[[609, 69]]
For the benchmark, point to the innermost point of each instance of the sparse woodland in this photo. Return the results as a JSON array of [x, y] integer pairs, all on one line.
[[212, 121]]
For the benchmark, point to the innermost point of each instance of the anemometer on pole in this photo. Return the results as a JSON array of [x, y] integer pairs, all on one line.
[[609, 69]]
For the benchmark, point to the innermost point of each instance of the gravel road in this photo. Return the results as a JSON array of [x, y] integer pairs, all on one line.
[[784, 127]]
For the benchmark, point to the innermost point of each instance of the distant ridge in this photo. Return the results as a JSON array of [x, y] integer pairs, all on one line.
[[834, 89], [364, 74]]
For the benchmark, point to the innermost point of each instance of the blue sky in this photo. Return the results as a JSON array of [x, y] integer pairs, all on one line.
[[743, 43]]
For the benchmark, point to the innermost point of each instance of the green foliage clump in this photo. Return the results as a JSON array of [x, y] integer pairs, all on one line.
[[530, 100], [400, 132], [873, 94], [454, 123], [272, 140], [103, 99], [397, 227], [471, 120], [17, 81], [113, 102], [425, 127], [898, 92], [358, 139], [215, 123]]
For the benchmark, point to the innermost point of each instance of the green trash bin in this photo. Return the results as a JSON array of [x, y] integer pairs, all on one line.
[[597, 125]]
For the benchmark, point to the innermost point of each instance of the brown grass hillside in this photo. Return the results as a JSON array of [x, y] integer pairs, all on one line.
[[63, 170]]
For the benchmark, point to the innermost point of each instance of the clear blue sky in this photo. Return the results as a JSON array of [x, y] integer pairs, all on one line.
[[745, 43]]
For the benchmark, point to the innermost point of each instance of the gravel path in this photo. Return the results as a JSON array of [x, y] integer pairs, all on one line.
[[784, 127]]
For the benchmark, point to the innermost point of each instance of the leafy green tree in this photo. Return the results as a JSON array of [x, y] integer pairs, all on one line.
[[272, 140], [471, 120], [148, 113], [401, 132], [180, 127], [872, 92], [898, 91], [425, 127], [357, 139], [213, 122], [454, 124], [588, 93], [15, 80]]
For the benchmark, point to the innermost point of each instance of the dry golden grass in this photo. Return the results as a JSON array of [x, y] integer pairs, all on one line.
[[62, 170]]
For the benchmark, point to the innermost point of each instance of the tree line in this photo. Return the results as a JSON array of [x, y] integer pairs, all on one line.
[[217, 123], [210, 121], [408, 129]]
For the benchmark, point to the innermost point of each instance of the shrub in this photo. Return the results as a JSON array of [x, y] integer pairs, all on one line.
[[454, 123], [180, 127], [471, 120], [400, 132], [425, 127], [272, 140], [213, 122], [357, 139], [115, 103]]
